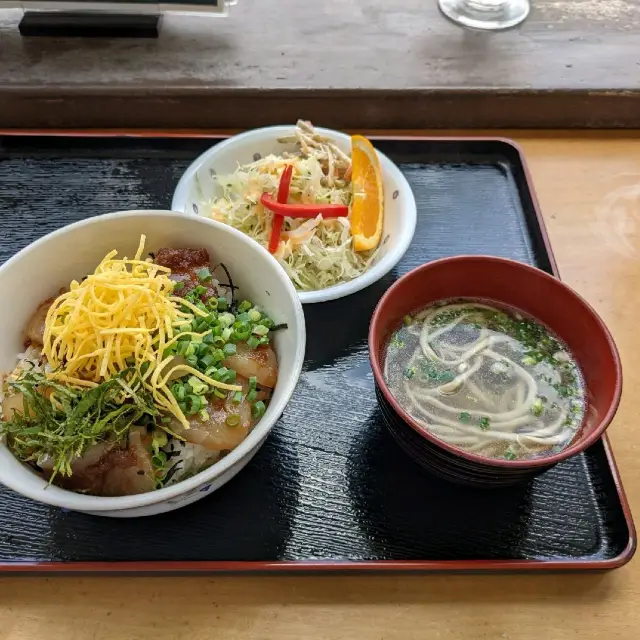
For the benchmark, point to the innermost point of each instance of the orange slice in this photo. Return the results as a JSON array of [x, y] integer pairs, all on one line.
[[367, 206]]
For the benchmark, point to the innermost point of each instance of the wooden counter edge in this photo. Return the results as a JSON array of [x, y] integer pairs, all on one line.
[[193, 107]]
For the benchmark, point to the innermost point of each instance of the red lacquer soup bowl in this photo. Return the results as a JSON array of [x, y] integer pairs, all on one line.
[[514, 285]]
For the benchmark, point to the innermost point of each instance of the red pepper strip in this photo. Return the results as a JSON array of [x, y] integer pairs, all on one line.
[[283, 196], [304, 210]]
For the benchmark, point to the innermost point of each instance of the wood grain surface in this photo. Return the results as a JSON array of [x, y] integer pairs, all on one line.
[[344, 63], [589, 189]]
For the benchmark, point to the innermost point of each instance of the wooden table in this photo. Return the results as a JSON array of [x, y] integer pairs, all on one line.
[[589, 186], [340, 63]]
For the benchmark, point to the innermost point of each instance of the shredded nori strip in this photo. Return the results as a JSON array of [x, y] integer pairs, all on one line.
[[230, 284]]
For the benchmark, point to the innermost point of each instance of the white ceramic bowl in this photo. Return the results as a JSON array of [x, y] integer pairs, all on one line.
[[196, 188], [38, 271]]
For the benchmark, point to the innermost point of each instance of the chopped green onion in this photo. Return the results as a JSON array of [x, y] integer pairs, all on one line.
[[194, 404], [245, 305], [202, 349], [464, 416], [199, 387], [178, 286], [510, 455], [159, 460], [178, 390], [192, 361], [204, 275], [170, 351], [218, 354], [229, 349], [226, 319], [396, 341], [203, 414], [220, 374], [212, 303], [242, 330], [254, 315], [484, 423], [237, 397], [233, 420], [182, 347], [166, 420], [409, 372], [258, 409], [252, 395], [159, 440], [445, 376], [218, 394], [223, 305], [260, 330], [536, 407], [227, 333], [253, 381], [219, 341], [207, 360], [253, 342], [200, 291]]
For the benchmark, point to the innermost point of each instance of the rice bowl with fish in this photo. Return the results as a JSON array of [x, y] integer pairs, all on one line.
[[148, 375]]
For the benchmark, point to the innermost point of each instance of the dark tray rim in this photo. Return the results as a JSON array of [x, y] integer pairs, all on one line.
[[335, 566]]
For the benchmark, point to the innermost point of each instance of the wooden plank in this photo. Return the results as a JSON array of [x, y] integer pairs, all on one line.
[[365, 63]]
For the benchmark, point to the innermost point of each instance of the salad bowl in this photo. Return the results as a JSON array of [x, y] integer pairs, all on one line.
[[199, 186]]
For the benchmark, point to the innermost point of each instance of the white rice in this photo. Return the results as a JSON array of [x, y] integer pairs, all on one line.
[[29, 360], [190, 458]]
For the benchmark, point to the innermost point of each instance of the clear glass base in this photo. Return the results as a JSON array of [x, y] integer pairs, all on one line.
[[486, 14]]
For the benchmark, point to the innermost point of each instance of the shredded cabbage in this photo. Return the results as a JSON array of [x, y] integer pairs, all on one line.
[[315, 253]]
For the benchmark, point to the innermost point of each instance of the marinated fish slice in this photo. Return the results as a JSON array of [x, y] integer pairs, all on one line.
[[224, 425], [185, 265], [108, 469], [261, 363]]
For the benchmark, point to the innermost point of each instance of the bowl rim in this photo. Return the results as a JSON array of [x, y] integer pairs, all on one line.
[[81, 502], [577, 447], [408, 214]]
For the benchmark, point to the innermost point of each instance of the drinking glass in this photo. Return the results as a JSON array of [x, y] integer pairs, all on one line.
[[486, 14]]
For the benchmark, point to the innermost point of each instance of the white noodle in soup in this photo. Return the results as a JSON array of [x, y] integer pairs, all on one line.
[[492, 382]]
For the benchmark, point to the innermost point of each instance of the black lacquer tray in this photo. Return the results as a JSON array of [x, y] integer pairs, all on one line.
[[330, 490]]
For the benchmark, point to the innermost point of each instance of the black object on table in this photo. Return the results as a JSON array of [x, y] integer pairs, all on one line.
[[65, 24]]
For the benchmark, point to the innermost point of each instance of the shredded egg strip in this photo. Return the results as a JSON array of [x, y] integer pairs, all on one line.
[[123, 311]]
